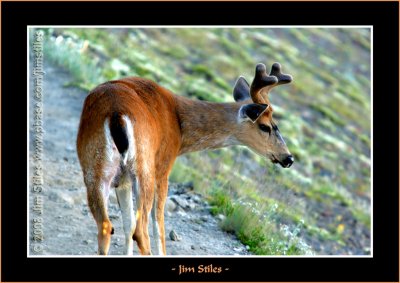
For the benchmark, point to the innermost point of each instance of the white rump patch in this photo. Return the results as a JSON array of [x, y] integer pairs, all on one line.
[[109, 152], [130, 154]]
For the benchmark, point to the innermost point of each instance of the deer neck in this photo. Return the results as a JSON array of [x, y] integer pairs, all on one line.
[[206, 125]]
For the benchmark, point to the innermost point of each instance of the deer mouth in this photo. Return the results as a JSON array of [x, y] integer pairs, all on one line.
[[286, 163], [274, 159]]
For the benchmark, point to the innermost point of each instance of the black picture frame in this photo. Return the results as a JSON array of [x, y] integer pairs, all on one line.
[[383, 16]]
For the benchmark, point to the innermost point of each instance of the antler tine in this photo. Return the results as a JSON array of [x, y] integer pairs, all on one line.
[[262, 82], [282, 78]]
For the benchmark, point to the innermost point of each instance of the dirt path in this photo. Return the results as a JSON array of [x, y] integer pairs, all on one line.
[[69, 228]]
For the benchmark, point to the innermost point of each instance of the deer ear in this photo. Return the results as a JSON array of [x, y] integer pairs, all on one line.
[[252, 111], [241, 90]]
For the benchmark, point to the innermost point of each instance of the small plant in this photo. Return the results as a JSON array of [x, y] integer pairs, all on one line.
[[71, 54], [255, 226]]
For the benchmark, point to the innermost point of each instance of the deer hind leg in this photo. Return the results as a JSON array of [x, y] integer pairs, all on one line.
[[124, 197], [145, 196], [98, 192], [100, 163], [158, 215]]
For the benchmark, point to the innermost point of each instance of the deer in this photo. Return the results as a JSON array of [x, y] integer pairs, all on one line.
[[132, 130]]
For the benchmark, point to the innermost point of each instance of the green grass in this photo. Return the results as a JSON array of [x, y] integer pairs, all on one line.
[[324, 116], [68, 54], [254, 226]]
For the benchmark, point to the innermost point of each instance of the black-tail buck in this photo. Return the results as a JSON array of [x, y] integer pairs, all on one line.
[[132, 130]]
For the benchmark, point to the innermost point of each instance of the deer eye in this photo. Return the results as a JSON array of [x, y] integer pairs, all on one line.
[[265, 128]]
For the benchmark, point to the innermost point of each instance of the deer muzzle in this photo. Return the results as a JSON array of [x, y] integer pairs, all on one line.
[[287, 161]]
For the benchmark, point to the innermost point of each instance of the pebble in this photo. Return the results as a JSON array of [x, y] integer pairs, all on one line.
[[113, 216], [85, 211], [170, 205], [70, 148], [204, 218], [53, 196], [61, 197], [63, 229], [174, 236], [189, 186], [221, 217], [182, 213], [180, 201], [192, 205], [61, 235], [196, 199]]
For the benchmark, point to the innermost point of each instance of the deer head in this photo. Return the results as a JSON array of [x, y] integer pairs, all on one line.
[[257, 129]]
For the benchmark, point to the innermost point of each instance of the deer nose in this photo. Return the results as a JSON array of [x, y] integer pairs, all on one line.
[[288, 161]]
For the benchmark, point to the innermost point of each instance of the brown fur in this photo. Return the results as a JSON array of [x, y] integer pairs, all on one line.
[[165, 126]]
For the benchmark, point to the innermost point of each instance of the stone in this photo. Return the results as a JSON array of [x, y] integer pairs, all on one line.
[[196, 198], [192, 205], [204, 218], [182, 214], [170, 205], [53, 196], [221, 217], [174, 236], [113, 216], [68, 206], [237, 249], [182, 202], [189, 186]]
